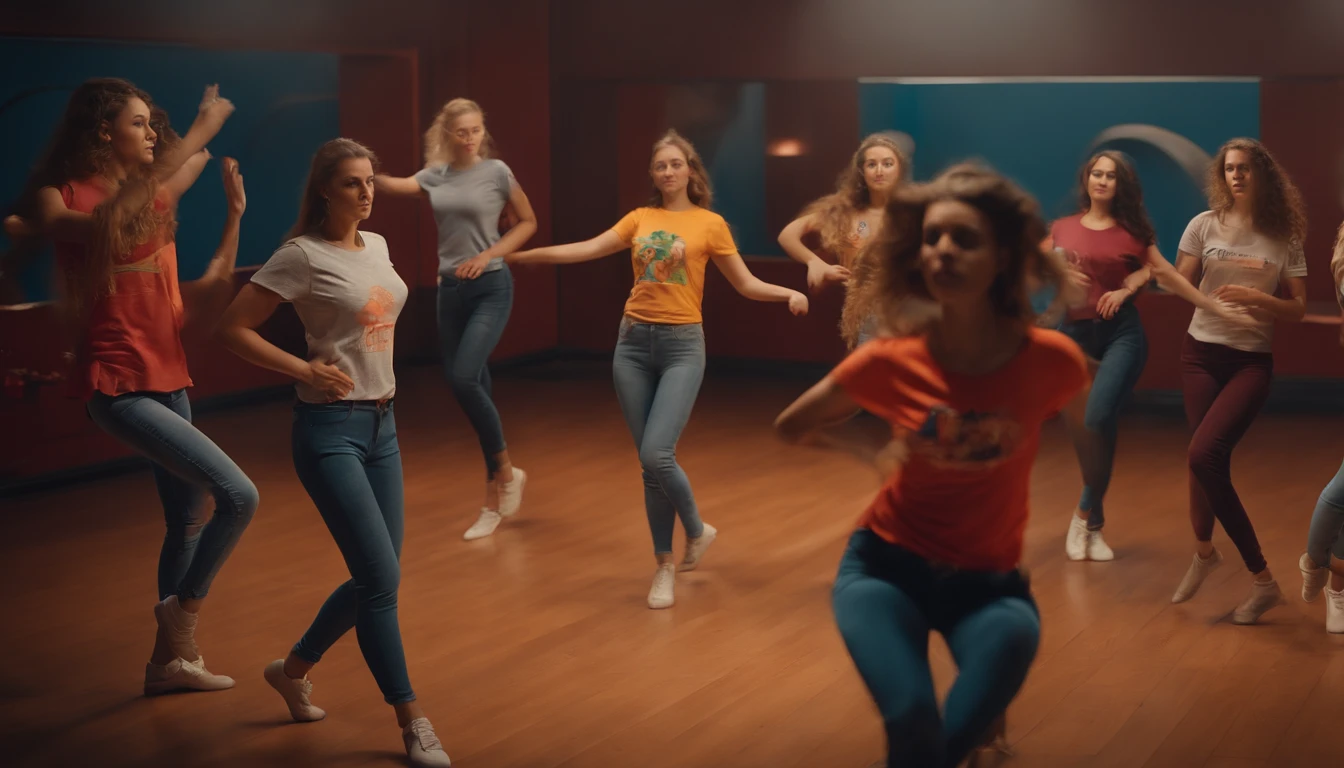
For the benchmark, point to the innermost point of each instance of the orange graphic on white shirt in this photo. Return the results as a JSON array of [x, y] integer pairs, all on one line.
[[374, 317]]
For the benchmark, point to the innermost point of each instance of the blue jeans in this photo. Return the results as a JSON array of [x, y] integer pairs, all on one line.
[[187, 465], [886, 600], [1327, 523], [347, 457], [472, 316], [658, 370], [1121, 349]]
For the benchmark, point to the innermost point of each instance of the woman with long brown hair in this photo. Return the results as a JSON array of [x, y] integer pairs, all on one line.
[[344, 434], [964, 386], [1112, 248], [660, 353], [469, 190], [106, 192], [845, 221], [1245, 249]]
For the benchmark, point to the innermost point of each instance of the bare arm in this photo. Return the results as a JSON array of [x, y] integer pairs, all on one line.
[[1291, 309], [819, 272], [397, 186], [524, 228], [822, 417], [175, 186], [604, 244], [237, 331], [205, 298], [209, 120], [752, 287]]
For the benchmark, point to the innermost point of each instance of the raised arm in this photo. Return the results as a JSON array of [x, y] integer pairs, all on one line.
[[397, 186], [210, 117], [819, 272], [604, 244], [237, 331], [205, 298], [748, 285], [175, 186]]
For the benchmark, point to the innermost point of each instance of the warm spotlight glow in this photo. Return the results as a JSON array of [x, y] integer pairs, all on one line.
[[786, 148]]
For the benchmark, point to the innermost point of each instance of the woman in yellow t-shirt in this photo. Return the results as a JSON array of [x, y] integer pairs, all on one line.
[[847, 220], [660, 356]]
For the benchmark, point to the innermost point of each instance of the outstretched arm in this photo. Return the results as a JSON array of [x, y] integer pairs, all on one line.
[[604, 244], [752, 287], [397, 186]]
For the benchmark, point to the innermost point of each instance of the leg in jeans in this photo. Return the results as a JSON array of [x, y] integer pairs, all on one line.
[[349, 462], [887, 636], [1326, 535], [472, 317], [1224, 391], [994, 647], [657, 371], [186, 463]]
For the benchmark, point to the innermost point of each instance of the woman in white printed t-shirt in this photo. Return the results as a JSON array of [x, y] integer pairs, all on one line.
[[1242, 251], [345, 290]]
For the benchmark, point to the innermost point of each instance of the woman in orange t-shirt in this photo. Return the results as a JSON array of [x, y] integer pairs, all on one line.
[[660, 355], [965, 388], [106, 193]]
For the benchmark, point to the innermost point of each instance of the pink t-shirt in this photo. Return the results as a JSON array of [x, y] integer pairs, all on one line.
[[1107, 256]]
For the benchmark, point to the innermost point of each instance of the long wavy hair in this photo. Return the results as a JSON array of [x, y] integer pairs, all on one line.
[[77, 151], [313, 206], [698, 189], [438, 138], [1278, 210], [1127, 205], [893, 287], [1337, 266], [835, 212]]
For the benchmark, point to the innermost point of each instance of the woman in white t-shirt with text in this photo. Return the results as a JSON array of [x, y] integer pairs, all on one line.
[[1244, 250], [345, 290]]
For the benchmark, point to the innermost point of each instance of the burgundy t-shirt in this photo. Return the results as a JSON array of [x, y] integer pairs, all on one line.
[[1107, 256]]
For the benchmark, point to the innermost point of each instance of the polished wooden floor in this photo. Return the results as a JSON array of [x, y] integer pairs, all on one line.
[[533, 649]]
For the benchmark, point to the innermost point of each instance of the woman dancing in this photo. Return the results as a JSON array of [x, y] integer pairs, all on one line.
[[964, 389], [344, 289], [468, 191], [1245, 247], [846, 219], [660, 353], [1111, 245], [1322, 565], [106, 192]]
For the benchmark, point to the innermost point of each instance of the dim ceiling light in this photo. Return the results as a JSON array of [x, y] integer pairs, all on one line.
[[786, 148]]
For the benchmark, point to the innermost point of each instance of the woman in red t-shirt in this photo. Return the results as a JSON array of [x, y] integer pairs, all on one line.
[[106, 192], [965, 387], [1110, 244]]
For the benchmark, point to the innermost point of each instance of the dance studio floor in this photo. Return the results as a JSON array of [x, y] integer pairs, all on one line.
[[534, 649]]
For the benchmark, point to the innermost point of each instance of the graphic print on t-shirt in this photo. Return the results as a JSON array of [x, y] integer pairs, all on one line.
[[1232, 258], [661, 258], [374, 318], [969, 440]]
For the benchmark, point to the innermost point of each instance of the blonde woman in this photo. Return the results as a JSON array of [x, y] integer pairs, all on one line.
[[468, 191]]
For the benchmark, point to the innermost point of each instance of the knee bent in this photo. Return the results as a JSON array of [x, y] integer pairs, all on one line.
[[658, 461], [242, 499]]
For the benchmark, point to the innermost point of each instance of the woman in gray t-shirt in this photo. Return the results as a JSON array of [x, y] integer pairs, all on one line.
[[470, 193], [345, 290]]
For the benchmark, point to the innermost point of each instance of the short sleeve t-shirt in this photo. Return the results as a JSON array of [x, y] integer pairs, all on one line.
[[1231, 256], [132, 340], [348, 302], [467, 204], [1107, 256], [960, 496], [670, 251]]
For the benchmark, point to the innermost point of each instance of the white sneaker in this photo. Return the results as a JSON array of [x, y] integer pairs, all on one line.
[[1314, 577], [422, 745], [1075, 541], [294, 692], [1097, 549], [660, 594], [1334, 611], [511, 493], [179, 627], [696, 548], [179, 675], [484, 525], [1264, 595], [1195, 576]]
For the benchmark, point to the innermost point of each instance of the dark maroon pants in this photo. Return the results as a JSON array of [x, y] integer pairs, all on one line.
[[1224, 390]]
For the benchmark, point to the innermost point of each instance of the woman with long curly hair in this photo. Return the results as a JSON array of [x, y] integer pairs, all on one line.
[[469, 191], [1111, 246], [1244, 250], [845, 221], [660, 352], [964, 386], [106, 193]]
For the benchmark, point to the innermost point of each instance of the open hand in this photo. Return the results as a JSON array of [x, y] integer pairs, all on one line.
[[819, 273], [798, 303], [329, 380], [1111, 302], [472, 268], [233, 186]]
